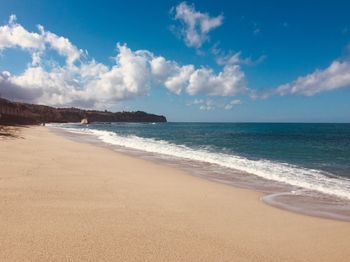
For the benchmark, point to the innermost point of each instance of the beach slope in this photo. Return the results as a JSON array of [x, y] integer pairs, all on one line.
[[65, 201]]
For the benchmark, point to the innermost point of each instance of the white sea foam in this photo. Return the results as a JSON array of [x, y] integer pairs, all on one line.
[[310, 179]]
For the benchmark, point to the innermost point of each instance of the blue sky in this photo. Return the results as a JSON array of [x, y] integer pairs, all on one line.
[[237, 61]]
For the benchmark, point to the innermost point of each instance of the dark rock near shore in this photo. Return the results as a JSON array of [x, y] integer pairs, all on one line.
[[22, 113]]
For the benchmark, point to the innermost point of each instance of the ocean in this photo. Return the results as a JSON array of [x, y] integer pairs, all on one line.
[[301, 167]]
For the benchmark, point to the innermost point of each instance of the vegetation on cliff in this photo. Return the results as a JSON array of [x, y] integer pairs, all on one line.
[[22, 113]]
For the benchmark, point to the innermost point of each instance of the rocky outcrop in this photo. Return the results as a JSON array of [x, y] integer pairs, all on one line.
[[21, 113], [84, 121]]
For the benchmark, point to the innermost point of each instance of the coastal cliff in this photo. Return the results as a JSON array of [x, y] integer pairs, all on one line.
[[22, 113]]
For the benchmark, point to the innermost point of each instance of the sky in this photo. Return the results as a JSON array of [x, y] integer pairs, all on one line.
[[205, 61]]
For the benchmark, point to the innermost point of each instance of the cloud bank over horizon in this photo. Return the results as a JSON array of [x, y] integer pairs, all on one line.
[[72, 78], [81, 81], [335, 76], [210, 104]]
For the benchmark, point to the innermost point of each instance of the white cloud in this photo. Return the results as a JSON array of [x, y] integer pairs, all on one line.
[[90, 82], [229, 82], [10, 90], [232, 104], [14, 35], [336, 76], [230, 59], [211, 104], [197, 25], [207, 105], [130, 77], [62, 45], [84, 82], [174, 76], [233, 58]]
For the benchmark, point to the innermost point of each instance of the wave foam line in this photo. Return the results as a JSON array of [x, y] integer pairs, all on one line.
[[310, 179]]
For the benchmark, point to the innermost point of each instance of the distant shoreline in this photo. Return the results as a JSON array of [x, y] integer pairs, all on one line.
[[12, 113]]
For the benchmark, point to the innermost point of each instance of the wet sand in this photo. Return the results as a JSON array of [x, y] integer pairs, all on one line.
[[62, 200]]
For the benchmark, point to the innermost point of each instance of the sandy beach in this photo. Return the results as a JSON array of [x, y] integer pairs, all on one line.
[[61, 200]]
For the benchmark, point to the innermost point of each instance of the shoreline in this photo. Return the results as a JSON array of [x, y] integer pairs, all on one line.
[[62, 200], [273, 193]]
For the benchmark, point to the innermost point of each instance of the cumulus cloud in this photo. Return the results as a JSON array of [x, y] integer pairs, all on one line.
[[81, 81], [229, 82], [195, 25], [14, 35], [211, 104], [12, 91], [62, 45], [174, 77], [130, 76], [89, 82], [335, 76]]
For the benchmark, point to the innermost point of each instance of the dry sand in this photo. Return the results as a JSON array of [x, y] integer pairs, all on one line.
[[65, 201]]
